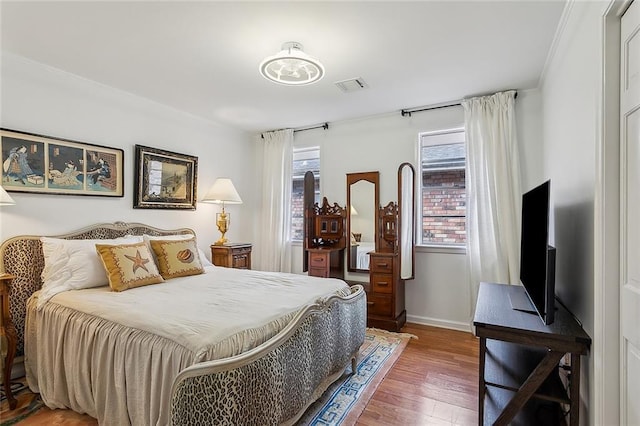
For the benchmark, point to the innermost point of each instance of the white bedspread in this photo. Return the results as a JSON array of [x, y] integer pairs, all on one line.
[[115, 355]]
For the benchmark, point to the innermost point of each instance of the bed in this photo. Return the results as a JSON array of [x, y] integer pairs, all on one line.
[[177, 352]]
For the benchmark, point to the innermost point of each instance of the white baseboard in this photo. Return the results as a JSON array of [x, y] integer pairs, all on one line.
[[453, 325]]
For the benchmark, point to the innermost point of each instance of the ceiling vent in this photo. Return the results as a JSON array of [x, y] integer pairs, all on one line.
[[352, 85]]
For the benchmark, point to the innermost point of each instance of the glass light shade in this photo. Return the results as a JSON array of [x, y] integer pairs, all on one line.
[[5, 198], [291, 66]]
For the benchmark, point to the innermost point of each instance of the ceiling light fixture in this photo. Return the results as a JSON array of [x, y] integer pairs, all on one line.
[[292, 67]]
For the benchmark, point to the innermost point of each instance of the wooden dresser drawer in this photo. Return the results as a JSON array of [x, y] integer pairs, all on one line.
[[382, 283], [382, 264], [318, 260], [379, 305], [319, 272]]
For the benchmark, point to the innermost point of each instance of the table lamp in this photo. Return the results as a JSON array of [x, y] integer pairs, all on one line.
[[222, 192], [5, 198]]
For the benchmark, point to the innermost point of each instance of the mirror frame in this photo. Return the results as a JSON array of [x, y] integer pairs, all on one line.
[[374, 178], [406, 211]]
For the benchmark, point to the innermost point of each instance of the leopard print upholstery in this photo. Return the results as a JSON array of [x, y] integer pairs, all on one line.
[[278, 386], [22, 257]]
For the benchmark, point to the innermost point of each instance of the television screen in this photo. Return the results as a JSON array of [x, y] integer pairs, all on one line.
[[537, 258]]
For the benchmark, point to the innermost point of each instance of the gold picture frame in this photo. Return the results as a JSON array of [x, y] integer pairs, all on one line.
[[164, 179]]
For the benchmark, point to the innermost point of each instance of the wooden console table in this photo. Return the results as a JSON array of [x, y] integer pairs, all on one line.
[[519, 358]]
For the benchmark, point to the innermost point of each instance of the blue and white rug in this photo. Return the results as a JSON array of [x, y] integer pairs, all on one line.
[[343, 402]]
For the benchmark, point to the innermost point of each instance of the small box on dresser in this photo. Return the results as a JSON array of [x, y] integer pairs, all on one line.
[[232, 255]]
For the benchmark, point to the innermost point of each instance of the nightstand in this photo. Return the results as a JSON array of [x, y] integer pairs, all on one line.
[[8, 332], [232, 255]]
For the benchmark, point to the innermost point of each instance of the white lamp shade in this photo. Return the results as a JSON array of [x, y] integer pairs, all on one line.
[[5, 199], [222, 192]]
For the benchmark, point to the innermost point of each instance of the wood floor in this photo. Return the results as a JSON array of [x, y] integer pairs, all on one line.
[[434, 382]]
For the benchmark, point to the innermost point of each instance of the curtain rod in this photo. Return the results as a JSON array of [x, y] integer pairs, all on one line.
[[324, 126], [409, 111]]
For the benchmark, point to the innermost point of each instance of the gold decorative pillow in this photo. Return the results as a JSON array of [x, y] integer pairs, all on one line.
[[128, 265], [177, 258]]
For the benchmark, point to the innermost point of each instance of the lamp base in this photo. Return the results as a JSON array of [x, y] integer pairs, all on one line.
[[222, 241]]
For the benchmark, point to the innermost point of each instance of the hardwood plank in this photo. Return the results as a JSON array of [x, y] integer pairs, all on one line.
[[434, 382]]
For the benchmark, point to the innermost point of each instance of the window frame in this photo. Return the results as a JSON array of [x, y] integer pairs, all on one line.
[[432, 247], [298, 151]]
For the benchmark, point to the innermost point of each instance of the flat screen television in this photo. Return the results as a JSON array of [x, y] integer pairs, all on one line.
[[537, 257]]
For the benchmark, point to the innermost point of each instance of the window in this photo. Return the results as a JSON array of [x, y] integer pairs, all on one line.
[[443, 194], [304, 160]]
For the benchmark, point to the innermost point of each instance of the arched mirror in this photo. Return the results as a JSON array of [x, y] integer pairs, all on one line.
[[362, 216], [406, 220]]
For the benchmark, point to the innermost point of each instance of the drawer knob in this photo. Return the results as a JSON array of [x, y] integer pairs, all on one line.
[[382, 283], [371, 303], [383, 265]]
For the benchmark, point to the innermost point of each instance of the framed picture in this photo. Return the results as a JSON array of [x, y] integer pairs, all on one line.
[[164, 179], [49, 165]]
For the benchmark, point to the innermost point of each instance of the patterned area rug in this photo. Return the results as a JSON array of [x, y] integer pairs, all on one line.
[[341, 404]]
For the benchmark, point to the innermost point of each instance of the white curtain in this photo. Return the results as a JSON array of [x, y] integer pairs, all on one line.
[[275, 217], [493, 191]]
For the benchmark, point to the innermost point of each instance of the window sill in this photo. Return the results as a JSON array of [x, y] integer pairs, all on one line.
[[441, 249]]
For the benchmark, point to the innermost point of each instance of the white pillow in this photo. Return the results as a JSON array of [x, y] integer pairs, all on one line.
[[74, 264], [203, 258]]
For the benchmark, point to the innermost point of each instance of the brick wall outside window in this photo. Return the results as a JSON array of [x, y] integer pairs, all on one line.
[[304, 160], [297, 208], [443, 207]]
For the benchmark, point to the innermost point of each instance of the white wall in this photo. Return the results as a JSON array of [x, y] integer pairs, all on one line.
[[47, 101], [439, 295], [572, 123]]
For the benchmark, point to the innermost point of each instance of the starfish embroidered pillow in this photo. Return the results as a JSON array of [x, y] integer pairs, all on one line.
[[177, 258], [128, 265]]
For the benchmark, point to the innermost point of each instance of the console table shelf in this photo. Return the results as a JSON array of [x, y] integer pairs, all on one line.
[[519, 357]]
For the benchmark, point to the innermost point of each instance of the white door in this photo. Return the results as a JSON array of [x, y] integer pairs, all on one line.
[[630, 208]]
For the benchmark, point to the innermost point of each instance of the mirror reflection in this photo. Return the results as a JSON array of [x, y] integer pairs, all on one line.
[[362, 223], [406, 205], [362, 199]]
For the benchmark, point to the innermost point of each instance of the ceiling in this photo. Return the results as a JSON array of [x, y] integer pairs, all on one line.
[[202, 57]]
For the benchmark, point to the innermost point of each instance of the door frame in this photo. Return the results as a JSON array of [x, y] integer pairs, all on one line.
[[605, 388]]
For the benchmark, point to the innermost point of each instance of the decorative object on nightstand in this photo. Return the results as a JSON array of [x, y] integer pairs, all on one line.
[[232, 255], [8, 334], [5, 199], [222, 192]]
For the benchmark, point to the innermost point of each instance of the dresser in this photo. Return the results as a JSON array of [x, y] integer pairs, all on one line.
[[385, 298], [326, 262], [232, 255]]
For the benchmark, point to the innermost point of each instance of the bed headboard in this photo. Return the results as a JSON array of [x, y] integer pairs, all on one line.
[[22, 257]]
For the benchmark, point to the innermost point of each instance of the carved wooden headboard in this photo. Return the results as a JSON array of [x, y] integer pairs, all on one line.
[[22, 257]]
